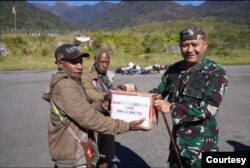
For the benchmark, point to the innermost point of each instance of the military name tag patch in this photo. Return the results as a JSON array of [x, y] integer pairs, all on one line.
[[227, 159]]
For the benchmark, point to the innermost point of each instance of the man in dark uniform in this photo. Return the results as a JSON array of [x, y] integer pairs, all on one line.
[[195, 87]]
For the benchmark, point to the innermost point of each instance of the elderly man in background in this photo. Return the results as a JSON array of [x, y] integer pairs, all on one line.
[[98, 82]]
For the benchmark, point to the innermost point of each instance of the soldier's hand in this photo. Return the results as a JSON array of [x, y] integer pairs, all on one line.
[[162, 106]]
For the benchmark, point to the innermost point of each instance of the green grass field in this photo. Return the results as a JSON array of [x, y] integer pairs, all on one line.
[[144, 45]]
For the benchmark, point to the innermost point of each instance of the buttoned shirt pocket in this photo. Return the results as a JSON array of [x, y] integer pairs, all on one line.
[[195, 87], [172, 89]]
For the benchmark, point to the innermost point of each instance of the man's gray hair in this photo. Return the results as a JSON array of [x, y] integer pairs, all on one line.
[[99, 50]]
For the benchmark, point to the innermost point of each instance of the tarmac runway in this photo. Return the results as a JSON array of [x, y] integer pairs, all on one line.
[[24, 121]]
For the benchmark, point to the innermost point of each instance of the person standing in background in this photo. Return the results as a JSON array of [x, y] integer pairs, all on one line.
[[98, 83]]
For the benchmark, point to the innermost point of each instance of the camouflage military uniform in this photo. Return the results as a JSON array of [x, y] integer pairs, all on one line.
[[195, 97]]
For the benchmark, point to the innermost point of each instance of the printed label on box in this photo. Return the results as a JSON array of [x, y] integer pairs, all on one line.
[[129, 106]]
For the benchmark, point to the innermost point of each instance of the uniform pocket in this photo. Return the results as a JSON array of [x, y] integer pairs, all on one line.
[[193, 92], [195, 87], [172, 93]]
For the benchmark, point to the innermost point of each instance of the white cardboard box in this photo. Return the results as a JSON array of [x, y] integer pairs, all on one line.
[[129, 106]]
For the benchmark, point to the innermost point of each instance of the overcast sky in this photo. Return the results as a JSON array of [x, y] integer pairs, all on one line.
[[80, 3]]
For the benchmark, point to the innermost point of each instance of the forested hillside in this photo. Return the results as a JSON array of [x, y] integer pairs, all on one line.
[[29, 19], [108, 16], [143, 32]]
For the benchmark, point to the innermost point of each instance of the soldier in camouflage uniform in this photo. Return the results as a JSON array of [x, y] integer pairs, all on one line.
[[195, 87]]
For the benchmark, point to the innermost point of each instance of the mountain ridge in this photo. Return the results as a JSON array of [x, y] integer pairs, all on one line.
[[128, 13], [107, 16]]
